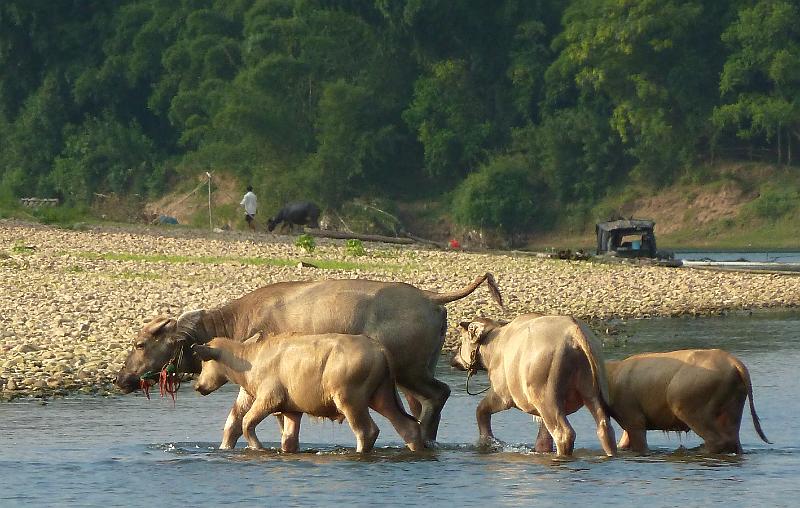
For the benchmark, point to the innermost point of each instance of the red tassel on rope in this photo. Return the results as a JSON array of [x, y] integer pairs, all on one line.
[[168, 382], [145, 385]]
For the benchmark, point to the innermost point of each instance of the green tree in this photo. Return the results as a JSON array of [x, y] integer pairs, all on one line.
[[354, 143], [35, 139], [761, 78], [577, 151], [653, 64], [448, 119], [102, 155]]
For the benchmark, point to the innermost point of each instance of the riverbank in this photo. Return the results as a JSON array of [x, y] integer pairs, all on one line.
[[72, 301]]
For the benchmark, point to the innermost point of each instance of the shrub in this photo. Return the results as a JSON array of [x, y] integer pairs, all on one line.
[[355, 247], [63, 215], [774, 203], [306, 242], [502, 195]]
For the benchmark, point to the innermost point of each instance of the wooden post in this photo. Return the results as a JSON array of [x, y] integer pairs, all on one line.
[[210, 224]]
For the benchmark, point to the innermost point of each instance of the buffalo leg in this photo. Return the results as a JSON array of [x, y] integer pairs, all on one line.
[[554, 417], [260, 409], [634, 439], [362, 425], [720, 434], [290, 433], [233, 425], [544, 441], [387, 403], [431, 394], [605, 432], [489, 405], [414, 405], [562, 432], [718, 423], [624, 441]]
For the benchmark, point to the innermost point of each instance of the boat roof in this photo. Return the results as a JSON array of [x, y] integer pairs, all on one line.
[[630, 224]]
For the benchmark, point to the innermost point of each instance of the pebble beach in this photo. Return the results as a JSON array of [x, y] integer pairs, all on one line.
[[72, 300]]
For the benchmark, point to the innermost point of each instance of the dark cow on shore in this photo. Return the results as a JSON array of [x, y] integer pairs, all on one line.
[[301, 213]]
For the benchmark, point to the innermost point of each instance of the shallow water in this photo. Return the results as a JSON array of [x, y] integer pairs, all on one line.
[[128, 451], [778, 256]]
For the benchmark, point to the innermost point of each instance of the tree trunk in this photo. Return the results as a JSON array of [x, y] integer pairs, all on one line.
[[796, 135], [779, 145]]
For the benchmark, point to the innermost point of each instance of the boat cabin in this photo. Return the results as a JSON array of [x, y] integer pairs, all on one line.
[[630, 238]]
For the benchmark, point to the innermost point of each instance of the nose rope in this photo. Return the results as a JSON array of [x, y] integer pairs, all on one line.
[[473, 359], [169, 381]]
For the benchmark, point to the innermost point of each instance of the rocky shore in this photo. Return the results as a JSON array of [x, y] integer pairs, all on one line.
[[72, 301]]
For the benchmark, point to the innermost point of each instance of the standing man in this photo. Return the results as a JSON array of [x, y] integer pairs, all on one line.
[[250, 204]]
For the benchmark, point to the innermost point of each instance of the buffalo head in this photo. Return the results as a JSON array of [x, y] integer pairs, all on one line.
[[473, 333], [213, 375], [158, 342]]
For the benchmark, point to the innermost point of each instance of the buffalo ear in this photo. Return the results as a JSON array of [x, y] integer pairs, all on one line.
[[205, 353], [476, 331], [161, 324]]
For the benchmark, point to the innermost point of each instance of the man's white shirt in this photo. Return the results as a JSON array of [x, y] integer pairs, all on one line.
[[250, 203]]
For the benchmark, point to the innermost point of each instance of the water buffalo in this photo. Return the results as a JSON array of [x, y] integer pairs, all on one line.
[[697, 389], [330, 376], [300, 213], [549, 366], [408, 321]]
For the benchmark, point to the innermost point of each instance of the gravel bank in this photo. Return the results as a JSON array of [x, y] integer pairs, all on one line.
[[72, 301]]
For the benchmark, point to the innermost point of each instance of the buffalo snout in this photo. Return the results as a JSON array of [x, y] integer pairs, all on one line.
[[202, 390], [127, 382]]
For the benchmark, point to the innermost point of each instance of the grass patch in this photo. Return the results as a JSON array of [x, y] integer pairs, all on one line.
[[729, 234], [19, 247], [63, 216], [216, 260]]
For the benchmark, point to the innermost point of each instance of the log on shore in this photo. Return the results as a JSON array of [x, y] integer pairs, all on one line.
[[407, 240], [366, 238]]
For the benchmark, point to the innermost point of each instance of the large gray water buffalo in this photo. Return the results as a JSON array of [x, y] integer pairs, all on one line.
[[408, 321], [327, 375], [548, 366], [300, 213], [703, 390]]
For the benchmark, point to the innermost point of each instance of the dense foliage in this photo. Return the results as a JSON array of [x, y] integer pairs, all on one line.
[[514, 108]]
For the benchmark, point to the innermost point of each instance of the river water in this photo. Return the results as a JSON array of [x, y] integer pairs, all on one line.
[[130, 451], [761, 256]]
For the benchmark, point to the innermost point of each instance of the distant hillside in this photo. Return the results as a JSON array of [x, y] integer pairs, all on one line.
[[737, 206]]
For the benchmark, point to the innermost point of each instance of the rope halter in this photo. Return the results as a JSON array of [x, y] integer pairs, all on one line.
[[471, 369], [168, 378]]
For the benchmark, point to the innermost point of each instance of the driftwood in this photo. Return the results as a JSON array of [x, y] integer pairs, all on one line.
[[367, 238], [425, 241], [407, 240]]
